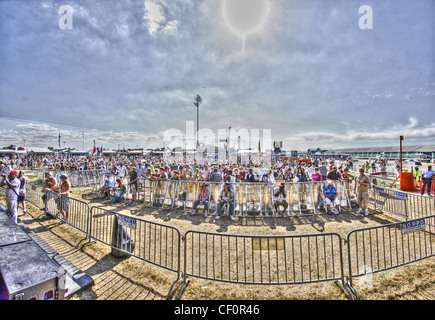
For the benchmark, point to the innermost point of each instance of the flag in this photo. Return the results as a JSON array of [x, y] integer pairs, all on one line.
[[59, 140], [95, 149]]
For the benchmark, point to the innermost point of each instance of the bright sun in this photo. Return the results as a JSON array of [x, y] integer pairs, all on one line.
[[245, 16]]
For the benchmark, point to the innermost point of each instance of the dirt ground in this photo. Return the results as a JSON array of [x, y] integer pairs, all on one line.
[[134, 279]]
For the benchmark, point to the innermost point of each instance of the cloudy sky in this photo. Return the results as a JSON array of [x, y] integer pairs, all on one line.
[[128, 71]]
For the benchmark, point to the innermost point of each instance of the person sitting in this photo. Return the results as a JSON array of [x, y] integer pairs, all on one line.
[[330, 193], [203, 197], [279, 197], [226, 196], [120, 192], [106, 188]]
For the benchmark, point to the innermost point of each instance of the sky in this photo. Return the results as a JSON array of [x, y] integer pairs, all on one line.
[[125, 73]]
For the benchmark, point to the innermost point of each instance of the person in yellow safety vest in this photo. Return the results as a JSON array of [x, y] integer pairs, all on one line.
[[417, 177]]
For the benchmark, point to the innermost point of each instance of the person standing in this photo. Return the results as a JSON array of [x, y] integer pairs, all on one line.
[[22, 193], [62, 198], [323, 171], [133, 183], [49, 188], [362, 183], [416, 173], [12, 186], [333, 174], [427, 177], [316, 176]]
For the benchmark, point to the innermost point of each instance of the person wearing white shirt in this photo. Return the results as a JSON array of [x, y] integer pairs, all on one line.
[[12, 187]]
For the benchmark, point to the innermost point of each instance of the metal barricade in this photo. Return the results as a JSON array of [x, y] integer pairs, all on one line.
[[69, 210], [400, 203], [263, 259], [34, 195], [375, 249], [153, 242], [145, 191]]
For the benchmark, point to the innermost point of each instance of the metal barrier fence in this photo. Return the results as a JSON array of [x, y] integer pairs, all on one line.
[[385, 247], [249, 197], [263, 259], [79, 178], [404, 204], [153, 242], [69, 210]]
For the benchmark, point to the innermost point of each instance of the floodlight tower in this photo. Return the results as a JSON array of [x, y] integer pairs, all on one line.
[[198, 101]]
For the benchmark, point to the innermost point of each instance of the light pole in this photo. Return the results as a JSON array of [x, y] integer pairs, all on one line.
[[198, 101]]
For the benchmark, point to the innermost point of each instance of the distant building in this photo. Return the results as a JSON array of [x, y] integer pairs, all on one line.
[[391, 152]]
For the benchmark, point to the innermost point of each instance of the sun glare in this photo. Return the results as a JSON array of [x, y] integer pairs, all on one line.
[[245, 17]]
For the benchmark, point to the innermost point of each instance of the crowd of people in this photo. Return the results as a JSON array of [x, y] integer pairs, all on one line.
[[134, 167]]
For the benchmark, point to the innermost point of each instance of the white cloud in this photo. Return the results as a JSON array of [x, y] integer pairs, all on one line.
[[157, 20], [411, 131]]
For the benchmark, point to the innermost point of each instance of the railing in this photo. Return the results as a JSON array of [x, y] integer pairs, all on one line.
[[263, 259], [375, 249], [250, 198], [404, 204], [69, 210]]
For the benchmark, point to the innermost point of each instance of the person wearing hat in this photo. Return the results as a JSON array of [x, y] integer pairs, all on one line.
[[362, 182], [203, 196], [330, 193], [62, 198], [106, 187], [427, 177], [226, 196], [333, 174], [279, 197], [12, 187]]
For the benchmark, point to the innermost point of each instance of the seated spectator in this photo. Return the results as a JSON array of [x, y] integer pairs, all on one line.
[[120, 192], [106, 188], [330, 193], [226, 196], [279, 198], [203, 196]]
